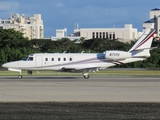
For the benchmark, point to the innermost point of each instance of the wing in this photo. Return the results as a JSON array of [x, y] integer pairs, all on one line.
[[93, 69]]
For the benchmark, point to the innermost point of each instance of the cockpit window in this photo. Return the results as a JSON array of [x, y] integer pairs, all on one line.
[[30, 59], [25, 59]]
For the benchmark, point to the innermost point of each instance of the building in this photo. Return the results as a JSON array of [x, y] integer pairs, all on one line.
[[154, 21], [62, 33], [31, 27], [124, 34]]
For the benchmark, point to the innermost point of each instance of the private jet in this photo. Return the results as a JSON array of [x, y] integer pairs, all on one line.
[[84, 62]]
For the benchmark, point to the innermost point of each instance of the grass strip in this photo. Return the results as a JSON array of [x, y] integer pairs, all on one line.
[[102, 72]]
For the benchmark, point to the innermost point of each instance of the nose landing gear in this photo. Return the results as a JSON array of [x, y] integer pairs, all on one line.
[[20, 76]]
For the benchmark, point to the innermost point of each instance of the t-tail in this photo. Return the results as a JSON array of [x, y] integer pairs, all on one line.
[[143, 45]]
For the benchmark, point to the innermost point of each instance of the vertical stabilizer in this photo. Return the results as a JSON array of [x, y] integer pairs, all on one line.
[[145, 41], [142, 47]]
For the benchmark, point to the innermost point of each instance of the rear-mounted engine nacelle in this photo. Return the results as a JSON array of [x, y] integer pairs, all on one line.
[[117, 55]]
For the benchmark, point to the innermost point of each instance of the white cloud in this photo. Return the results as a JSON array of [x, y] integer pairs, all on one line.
[[9, 6], [59, 4]]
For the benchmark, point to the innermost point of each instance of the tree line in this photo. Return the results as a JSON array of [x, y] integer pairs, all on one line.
[[15, 47]]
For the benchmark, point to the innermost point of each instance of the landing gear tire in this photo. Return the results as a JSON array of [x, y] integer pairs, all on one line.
[[86, 76], [20, 76]]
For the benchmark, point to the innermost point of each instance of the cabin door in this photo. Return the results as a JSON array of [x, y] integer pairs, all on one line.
[[39, 61]]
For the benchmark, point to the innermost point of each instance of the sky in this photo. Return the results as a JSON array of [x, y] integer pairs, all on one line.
[[59, 14]]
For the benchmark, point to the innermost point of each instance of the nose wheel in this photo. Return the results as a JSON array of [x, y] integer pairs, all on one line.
[[20, 76]]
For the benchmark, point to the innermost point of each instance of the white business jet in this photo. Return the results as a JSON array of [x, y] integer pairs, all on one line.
[[84, 62]]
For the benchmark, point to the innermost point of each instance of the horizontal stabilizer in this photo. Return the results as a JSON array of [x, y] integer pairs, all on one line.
[[145, 49]]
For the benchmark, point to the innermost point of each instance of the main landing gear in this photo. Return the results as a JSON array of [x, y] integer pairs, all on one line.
[[20, 76], [85, 74]]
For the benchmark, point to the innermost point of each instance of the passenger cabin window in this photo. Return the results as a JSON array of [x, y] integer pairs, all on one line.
[[30, 59], [64, 59], [46, 59], [70, 59], [59, 59], [52, 59]]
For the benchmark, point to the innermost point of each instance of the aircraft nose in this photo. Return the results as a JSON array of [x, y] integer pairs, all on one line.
[[10, 65], [5, 65]]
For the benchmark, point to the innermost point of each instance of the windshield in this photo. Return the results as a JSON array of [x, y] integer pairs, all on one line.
[[25, 59], [30, 59]]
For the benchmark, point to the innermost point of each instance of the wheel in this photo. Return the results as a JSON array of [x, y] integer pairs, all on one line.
[[20, 76], [86, 76]]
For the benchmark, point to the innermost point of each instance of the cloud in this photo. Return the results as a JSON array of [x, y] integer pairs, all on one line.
[[59, 4], [9, 6]]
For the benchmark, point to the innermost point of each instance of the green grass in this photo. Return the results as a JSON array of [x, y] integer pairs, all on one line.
[[100, 73]]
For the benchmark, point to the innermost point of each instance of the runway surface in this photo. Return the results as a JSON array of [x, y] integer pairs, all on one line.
[[78, 89]]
